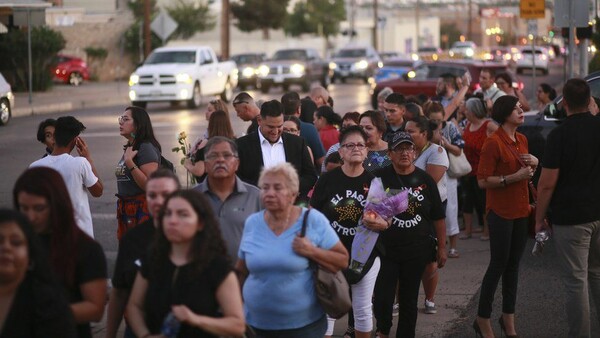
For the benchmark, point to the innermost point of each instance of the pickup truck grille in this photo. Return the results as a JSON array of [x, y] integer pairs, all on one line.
[[149, 80], [344, 66], [279, 70]]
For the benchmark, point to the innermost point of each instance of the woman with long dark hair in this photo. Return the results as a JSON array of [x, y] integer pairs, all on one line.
[[327, 122], [505, 82], [187, 280], [141, 156], [219, 124], [504, 170], [37, 307], [77, 260]]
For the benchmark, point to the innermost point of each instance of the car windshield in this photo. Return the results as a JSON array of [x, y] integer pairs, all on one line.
[[290, 54], [244, 59], [351, 53], [427, 49], [171, 57], [529, 51], [462, 45]]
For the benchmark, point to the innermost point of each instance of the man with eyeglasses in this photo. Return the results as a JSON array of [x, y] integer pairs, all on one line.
[[232, 200], [394, 108], [247, 110], [270, 146]]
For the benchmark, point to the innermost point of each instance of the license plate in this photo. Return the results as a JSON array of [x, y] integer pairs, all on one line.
[[345, 73], [278, 79]]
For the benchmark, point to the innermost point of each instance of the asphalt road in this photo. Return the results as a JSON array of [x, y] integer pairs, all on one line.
[[540, 305]]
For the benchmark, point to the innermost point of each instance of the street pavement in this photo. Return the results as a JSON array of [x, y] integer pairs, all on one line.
[[540, 308]]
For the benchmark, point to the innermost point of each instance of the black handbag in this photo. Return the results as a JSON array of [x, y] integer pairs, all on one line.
[[331, 288]]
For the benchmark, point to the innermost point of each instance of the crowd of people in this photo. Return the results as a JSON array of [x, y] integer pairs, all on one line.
[[227, 257]]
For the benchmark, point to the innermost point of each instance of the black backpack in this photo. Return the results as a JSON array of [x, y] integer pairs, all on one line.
[[166, 164]]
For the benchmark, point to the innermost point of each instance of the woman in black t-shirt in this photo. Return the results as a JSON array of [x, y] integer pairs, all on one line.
[[186, 279], [36, 306], [78, 261], [341, 195], [409, 240]]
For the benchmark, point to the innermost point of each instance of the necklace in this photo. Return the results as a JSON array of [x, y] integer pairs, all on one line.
[[278, 229]]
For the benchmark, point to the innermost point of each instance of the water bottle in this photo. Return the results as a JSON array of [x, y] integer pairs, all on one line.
[[540, 239], [170, 326]]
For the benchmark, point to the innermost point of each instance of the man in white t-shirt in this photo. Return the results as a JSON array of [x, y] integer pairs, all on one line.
[[79, 173]]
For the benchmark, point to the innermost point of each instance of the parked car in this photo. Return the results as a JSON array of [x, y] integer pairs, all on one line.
[[300, 66], [388, 55], [71, 70], [182, 74], [247, 64], [429, 53], [463, 49], [530, 58], [7, 101], [423, 78], [395, 67], [355, 62], [499, 54]]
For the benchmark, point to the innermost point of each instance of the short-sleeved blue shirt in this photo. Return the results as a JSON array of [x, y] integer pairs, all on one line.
[[279, 291]]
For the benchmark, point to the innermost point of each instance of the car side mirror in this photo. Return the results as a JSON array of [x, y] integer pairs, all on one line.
[[405, 77], [554, 112]]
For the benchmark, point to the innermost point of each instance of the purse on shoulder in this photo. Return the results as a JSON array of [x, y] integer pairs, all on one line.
[[331, 288], [459, 165]]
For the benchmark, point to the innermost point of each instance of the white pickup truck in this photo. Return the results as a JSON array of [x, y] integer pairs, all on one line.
[[183, 73]]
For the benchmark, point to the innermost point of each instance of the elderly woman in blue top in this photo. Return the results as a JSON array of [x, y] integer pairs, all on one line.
[[279, 295]]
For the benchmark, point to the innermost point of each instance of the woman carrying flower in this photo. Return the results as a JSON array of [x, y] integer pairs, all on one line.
[[141, 157]]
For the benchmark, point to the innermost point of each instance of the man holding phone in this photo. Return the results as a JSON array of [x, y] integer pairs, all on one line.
[[79, 173]]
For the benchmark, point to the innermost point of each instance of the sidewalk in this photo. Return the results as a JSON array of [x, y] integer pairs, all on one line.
[[65, 98], [460, 279]]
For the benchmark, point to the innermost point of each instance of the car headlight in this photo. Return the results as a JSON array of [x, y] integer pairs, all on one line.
[[183, 77], [297, 69], [134, 79], [469, 52], [362, 64], [414, 57], [332, 65], [411, 74], [263, 70], [248, 72]]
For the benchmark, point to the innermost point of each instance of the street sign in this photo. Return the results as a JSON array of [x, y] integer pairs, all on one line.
[[533, 9], [163, 25], [581, 13], [532, 27]]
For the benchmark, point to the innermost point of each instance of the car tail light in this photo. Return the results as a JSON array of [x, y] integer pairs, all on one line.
[[520, 85], [476, 86]]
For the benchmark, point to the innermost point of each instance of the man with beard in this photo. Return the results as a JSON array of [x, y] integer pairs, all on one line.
[[451, 92], [232, 199]]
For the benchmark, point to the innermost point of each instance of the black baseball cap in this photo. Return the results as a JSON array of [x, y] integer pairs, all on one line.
[[400, 137]]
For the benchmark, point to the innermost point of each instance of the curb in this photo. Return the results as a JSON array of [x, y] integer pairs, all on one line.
[[39, 109]]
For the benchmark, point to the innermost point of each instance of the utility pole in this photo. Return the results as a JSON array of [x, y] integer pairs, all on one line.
[[417, 14], [225, 29], [469, 28], [375, 23], [147, 41]]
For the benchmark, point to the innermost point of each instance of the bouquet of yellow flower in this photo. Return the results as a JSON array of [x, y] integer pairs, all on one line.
[[185, 148]]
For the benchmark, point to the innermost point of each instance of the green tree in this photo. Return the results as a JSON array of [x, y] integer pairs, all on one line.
[[137, 7], [321, 17], [191, 17], [260, 15], [45, 44]]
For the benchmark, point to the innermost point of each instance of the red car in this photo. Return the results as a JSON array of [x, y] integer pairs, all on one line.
[[70, 70], [423, 78]]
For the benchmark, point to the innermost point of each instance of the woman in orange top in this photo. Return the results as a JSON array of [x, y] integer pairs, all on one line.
[[505, 167], [326, 120]]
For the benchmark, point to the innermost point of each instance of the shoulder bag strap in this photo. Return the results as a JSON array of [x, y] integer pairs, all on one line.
[[303, 231]]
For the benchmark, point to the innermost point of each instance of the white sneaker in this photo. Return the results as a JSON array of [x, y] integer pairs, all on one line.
[[430, 307]]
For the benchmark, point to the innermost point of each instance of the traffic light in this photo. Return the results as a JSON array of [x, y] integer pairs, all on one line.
[[584, 32]]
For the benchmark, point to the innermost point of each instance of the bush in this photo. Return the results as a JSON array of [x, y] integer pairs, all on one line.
[[45, 44]]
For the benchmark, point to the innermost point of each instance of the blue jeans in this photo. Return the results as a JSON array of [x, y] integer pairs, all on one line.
[[313, 330]]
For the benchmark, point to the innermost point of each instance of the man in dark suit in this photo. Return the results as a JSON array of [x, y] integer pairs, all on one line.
[[270, 146]]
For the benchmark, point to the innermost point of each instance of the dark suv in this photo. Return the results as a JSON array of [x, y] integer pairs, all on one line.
[[423, 78]]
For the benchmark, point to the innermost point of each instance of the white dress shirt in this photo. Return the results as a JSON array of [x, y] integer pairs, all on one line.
[[272, 154]]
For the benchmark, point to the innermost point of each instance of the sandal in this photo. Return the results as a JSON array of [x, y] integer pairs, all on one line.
[[453, 253], [349, 332]]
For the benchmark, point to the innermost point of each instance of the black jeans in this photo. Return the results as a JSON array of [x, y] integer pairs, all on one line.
[[508, 238], [315, 329], [407, 271], [474, 197]]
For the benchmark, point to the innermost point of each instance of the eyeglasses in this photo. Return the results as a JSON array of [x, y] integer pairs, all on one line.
[[124, 118], [350, 146], [215, 156], [403, 150], [290, 130]]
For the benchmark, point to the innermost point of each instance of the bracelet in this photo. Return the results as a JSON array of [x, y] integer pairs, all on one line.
[[132, 169], [503, 181]]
